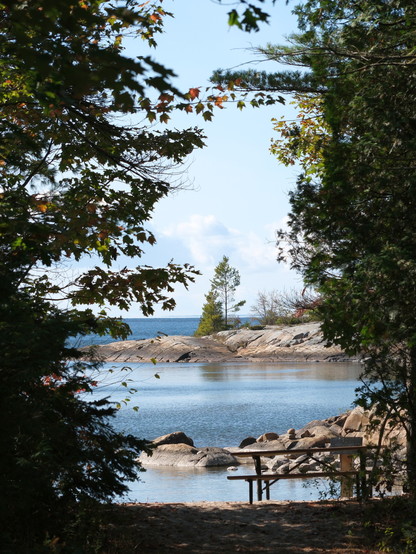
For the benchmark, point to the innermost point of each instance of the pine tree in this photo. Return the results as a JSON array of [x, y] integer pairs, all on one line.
[[212, 320], [224, 283]]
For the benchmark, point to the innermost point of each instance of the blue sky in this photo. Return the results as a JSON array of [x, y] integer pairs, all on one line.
[[237, 191]]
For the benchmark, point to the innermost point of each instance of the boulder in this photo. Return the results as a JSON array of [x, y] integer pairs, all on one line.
[[169, 455], [357, 420], [268, 437], [247, 441], [178, 437], [277, 444], [214, 457], [184, 455]]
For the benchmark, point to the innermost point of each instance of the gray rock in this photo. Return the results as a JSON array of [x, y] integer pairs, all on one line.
[[183, 455], [293, 343], [178, 437]]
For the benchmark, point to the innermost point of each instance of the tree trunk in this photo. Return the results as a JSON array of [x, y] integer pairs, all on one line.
[[411, 434]]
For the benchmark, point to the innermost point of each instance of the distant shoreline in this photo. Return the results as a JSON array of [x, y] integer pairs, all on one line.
[[297, 343]]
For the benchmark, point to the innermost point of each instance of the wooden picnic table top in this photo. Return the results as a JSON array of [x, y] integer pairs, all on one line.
[[334, 449]]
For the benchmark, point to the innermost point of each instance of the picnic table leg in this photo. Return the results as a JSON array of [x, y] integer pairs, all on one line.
[[346, 483], [250, 491], [257, 465], [363, 476]]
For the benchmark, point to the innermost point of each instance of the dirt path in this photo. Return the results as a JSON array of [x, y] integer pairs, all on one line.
[[226, 527]]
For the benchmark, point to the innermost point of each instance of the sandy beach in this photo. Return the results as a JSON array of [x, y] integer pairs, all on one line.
[[269, 526]]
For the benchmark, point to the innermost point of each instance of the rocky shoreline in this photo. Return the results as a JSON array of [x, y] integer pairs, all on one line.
[[177, 449], [297, 343]]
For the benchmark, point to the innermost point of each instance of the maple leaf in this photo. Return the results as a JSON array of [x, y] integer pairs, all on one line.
[[194, 93]]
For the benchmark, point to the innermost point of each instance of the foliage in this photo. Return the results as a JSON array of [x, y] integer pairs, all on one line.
[[352, 230], [285, 308], [250, 18], [79, 179], [224, 284], [59, 450], [76, 179], [268, 308], [212, 320], [302, 141]]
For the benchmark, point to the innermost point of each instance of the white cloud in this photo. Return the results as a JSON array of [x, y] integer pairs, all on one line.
[[207, 239]]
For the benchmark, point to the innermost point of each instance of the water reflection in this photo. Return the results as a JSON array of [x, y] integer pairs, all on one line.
[[220, 405], [178, 484], [282, 370]]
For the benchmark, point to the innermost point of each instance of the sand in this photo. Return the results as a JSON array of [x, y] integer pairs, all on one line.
[[268, 526]]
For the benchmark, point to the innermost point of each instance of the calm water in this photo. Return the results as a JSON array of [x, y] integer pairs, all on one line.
[[221, 404]]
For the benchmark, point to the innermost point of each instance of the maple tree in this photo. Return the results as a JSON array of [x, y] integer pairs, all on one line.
[[80, 173], [78, 180]]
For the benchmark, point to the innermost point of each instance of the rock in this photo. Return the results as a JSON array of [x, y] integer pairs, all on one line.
[[277, 444], [313, 423], [178, 437], [214, 457], [291, 431], [305, 434], [268, 437], [336, 429], [169, 455], [183, 455], [311, 442], [247, 441], [356, 420], [293, 343]]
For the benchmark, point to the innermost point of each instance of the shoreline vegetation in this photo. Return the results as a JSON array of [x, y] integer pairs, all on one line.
[[296, 343]]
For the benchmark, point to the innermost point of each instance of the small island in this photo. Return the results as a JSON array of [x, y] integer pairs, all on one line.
[[295, 343]]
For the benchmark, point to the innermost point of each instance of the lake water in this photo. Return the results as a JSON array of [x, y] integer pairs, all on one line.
[[220, 405]]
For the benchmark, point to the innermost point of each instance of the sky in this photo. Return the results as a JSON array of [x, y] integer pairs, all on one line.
[[237, 192]]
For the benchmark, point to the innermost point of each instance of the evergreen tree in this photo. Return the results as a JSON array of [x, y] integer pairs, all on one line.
[[212, 320], [352, 230], [224, 283]]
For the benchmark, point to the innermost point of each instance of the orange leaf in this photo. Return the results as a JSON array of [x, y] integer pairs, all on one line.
[[194, 93], [42, 207]]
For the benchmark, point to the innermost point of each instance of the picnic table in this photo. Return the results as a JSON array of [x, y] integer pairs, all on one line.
[[346, 471]]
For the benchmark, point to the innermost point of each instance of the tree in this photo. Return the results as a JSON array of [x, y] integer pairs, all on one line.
[[268, 308], [212, 320], [78, 181], [60, 454], [352, 230], [288, 307], [224, 283]]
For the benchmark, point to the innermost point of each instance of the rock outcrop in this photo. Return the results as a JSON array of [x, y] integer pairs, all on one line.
[[169, 452], [294, 343], [177, 449], [319, 433]]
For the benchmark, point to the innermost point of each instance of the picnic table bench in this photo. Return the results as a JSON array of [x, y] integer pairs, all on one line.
[[346, 472]]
